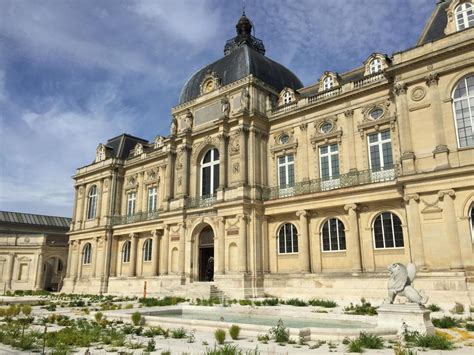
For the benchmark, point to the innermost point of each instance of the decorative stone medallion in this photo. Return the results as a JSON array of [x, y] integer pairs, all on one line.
[[418, 93]]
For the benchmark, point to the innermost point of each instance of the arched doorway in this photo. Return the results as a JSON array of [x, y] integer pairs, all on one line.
[[206, 255], [53, 274]]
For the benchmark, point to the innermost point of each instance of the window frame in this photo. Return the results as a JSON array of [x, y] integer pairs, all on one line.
[[287, 98], [148, 250], [92, 198], [330, 155], [470, 99], [87, 254], [379, 143], [375, 66], [131, 203], [126, 251], [294, 237], [383, 231], [152, 199], [328, 83], [462, 10], [211, 164], [338, 250], [286, 164]]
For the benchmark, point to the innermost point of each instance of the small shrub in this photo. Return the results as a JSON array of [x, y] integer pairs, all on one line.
[[26, 309], [296, 302], [434, 307], [98, 316], [370, 341], [280, 333], [178, 333], [399, 349], [234, 331], [355, 346], [245, 302], [445, 322], [219, 335], [365, 308], [434, 342], [322, 303], [264, 338], [270, 302], [291, 341], [469, 327], [151, 345], [458, 308], [136, 318], [129, 306]]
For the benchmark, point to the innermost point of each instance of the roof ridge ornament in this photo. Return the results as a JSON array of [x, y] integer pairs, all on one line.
[[244, 37]]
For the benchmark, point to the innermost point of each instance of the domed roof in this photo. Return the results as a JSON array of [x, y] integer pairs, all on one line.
[[244, 55]]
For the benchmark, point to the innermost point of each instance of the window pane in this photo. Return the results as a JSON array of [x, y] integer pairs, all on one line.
[[216, 178], [378, 234], [387, 155], [206, 180], [333, 233], [375, 157], [295, 239], [335, 165], [325, 168], [281, 240], [291, 175], [290, 158], [282, 176], [326, 236], [342, 236]]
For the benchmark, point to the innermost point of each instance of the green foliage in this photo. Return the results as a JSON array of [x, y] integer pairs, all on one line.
[[322, 303], [270, 302], [370, 341], [155, 302], [296, 302], [219, 335], [178, 333], [355, 346], [264, 338], [98, 316], [136, 318], [458, 308], [365, 308], [245, 302], [234, 331], [433, 342], [280, 333], [469, 327], [399, 349], [433, 307], [445, 322], [151, 345]]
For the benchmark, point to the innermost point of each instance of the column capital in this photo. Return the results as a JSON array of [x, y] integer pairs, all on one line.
[[219, 219], [351, 207], [414, 197], [243, 130], [451, 193], [222, 136], [243, 216], [349, 113], [432, 79], [155, 233], [400, 88], [303, 126], [302, 213], [185, 148], [133, 235], [182, 225]]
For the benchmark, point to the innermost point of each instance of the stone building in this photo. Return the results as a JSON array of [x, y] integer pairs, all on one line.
[[33, 251], [266, 187]]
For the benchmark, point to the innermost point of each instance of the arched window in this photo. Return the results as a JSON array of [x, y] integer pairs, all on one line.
[[464, 16], [375, 66], [126, 251], [147, 250], [463, 107], [287, 97], [471, 221], [388, 231], [87, 254], [333, 235], [92, 203], [328, 83], [210, 172], [287, 239]]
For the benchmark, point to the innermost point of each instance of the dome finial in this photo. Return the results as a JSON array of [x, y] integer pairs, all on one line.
[[243, 7]]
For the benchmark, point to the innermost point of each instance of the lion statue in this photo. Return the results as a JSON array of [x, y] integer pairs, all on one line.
[[400, 281]]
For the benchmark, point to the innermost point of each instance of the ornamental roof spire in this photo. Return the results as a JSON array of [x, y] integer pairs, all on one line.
[[244, 36]]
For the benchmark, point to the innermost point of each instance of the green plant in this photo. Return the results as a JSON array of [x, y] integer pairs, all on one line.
[[264, 338], [322, 303], [433, 307], [98, 316], [280, 333], [219, 335], [234, 331], [355, 346], [458, 308], [445, 322], [229, 349], [165, 353], [128, 306], [178, 333], [151, 345], [399, 349], [291, 341], [270, 302], [434, 342], [296, 302], [469, 326], [135, 344], [136, 318], [26, 309], [245, 302], [365, 308], [166, 301], [370, 341]]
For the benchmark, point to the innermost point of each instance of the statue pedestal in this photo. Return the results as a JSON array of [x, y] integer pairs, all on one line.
[[409, 316]]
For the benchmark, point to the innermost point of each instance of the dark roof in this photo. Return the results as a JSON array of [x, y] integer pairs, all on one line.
[[34, 219], [123, 144], [244, 55], [434, 29]]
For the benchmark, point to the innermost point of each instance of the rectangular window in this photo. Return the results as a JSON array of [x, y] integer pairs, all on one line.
[[380, 151], [329, 166], [132, 197], [206, 181], [152, 197], [286, 171]]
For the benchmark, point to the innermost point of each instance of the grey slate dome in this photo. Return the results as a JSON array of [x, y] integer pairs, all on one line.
[[244, 55]]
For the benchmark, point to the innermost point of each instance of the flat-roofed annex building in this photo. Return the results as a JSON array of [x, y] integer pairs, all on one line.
[[266, 187], [33, 251]]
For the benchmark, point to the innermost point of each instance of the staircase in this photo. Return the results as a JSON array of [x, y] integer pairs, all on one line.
[[216, 292]]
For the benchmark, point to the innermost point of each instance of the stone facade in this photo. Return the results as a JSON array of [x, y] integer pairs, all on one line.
[[313, 190], [33, 251]]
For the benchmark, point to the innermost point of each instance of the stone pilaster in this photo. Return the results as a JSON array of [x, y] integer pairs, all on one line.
[[155, 252], [95, 251], [165, 251], [414, 228], [451, 227], [243, 264], [222, 161], [408, 157], [182, 246], [441, 150], [77, 273], [303, 241], [353, 242], [220, 260], [69, 259], [133, 255], [186, 156], [39, 277], [243, 134], [11, 263], [349, 114]]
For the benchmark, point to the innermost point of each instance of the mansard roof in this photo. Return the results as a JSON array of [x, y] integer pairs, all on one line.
[[34, 219], [123, 144], [434, 29]]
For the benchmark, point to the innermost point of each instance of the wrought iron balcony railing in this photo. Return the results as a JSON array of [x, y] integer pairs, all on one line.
[[134, 218], [344, 180], [201, 201]]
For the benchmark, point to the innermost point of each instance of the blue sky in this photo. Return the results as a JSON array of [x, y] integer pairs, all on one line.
[[75, 73]]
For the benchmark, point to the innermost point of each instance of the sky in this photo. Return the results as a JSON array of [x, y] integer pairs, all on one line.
[[74, 73]]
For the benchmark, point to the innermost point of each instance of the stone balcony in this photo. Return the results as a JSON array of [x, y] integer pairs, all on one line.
[[134, 218]]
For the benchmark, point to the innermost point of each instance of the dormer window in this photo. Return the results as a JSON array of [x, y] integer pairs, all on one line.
[[287, 98], [328, 83], [464, 16], [375, 66]]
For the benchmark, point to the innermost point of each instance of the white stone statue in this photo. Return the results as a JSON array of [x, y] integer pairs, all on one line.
[[225, 107], [187, 121], [244, 99], [174, 126], [400, 281]]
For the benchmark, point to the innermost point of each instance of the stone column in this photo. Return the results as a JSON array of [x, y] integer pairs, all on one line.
[[133, 255], [39, 278], [264, 167], [414, 228], [303, 242], [350, 140], [79, 260], [265, 245], [408, 157], [155, 252], [243, 243], [182, 246], [353, 242], [169, 194], [451, 228], [95, 251], [186, 153], [222, 161], [114, 256], [220, 260], [243, 131], [251, 157], [441, 151], [165, 251], [304, 168], [69, 259], [11, 263]]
